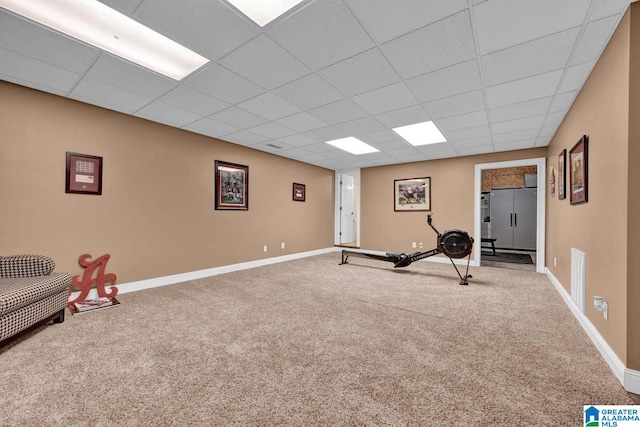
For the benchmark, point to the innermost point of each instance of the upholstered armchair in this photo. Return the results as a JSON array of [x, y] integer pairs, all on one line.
[[30, 292]]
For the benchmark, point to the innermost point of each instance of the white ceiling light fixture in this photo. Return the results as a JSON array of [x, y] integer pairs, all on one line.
[[353, 145], [98, 25], [420, 133], [263, 11]]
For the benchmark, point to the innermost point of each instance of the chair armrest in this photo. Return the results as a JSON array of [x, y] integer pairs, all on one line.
[[26, 266]]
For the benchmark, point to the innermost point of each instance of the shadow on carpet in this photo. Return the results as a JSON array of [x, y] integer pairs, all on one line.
[[507, 257]]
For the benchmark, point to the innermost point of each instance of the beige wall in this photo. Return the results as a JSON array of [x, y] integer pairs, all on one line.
[[156, 214], [452, 200], [633, 197], [599, 227]]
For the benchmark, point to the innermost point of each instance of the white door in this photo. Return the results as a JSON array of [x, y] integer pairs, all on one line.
[[347, 224]]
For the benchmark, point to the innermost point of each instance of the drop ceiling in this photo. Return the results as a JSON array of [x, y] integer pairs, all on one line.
[[493, 75]]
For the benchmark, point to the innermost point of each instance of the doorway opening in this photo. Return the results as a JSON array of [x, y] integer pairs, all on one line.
[[515, 224], [348, 209]]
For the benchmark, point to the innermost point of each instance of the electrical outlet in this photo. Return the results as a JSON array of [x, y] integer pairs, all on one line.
[[264, 248], [555, 262], [413, 245], [282, 245], [421, 245]]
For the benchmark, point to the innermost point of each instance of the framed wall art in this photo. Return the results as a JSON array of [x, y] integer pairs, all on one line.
[[578, 172], [84, 174], [299, 192], [562, 174], [552, 182], [412, 194], [232, 186]]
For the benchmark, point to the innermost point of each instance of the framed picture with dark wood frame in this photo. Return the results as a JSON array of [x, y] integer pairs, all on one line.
[[299, 192], [232, 186], [413, 194], [578, 172], [84, 174], [562, 174]]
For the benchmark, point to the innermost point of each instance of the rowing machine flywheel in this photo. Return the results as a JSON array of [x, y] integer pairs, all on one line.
[[455, 244]]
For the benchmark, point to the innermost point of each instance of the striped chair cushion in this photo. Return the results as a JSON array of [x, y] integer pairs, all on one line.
[[26, 266]]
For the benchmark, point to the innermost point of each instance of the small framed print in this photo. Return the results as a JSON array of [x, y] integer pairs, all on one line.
[[84, 174], [232, 186], [578, 172], [299, 192], [562, 174], [412, 194]]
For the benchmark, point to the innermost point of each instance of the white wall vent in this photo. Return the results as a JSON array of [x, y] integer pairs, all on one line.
[[579, 278]]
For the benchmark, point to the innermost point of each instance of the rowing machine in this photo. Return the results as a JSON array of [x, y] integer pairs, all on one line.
[[454, 244]]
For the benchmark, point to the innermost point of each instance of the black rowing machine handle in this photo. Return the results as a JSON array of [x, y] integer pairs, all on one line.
[[431, 225]]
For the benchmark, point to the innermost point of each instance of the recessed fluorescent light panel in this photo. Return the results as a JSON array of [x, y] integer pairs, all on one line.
[[263, 11], [353, 145], [98, 25], [420, 133]]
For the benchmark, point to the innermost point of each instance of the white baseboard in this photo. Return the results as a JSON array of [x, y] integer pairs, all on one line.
[[124, 288], [629, 378]]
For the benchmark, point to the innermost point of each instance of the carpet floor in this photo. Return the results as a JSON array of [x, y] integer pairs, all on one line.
[[309, 342]]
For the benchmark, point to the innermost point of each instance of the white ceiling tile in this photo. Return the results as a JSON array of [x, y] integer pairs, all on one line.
[[531, 58], [387, 20], [21, 36], [450, 81], [238, 117], [395, 148], [526, 123], [308, 92], [504, 23], [520, 110], [327, 134], [466, 133], [444, 43], [525, 89], [361, 73], [122, 74], [434, 148], [211, 128], [321, 34], [516, 145], [382, 136], [455, 105], [339, 112], [446, 154], [361, 126], [98, 93], [299, 140], [272, 130], [209, 28], [29, 72], [548, 131], [563, 101], [603, 8], [270, 106], [504, 138], [472, 151], [274, 147], [462, 121], [385, 99], [554, 119], [167, 114], [409, 158], [223, 84], [593, 40], [302, 122], [404, 151], [575, 77], [403, 116], [543, 141], [245, 137], [191, 100], [265, 63], [472, 142]]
